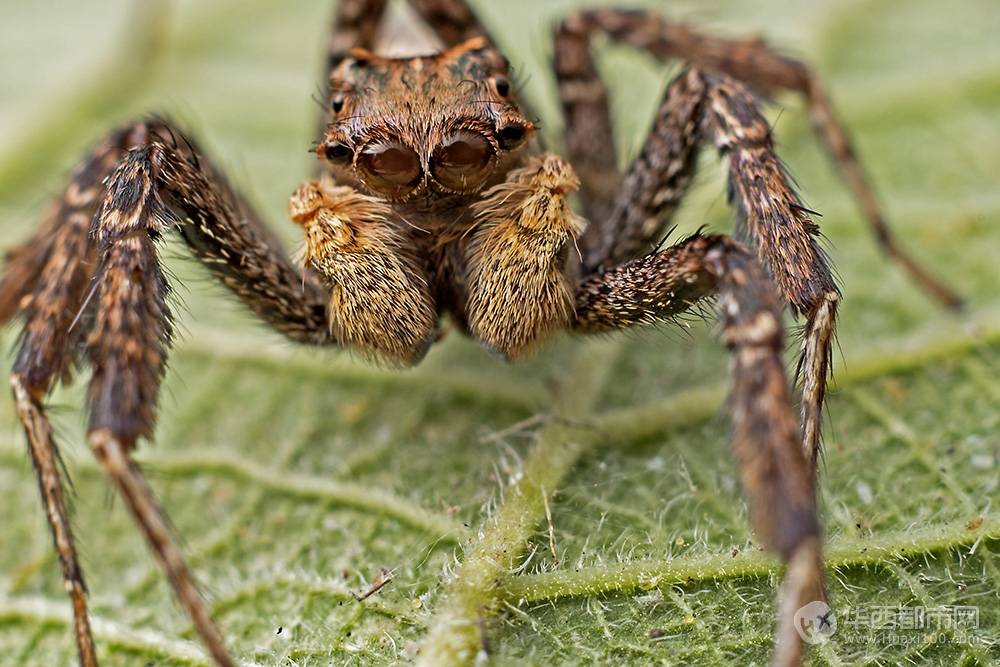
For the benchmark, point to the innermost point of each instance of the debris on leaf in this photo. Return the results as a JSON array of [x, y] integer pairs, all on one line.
[[383, 577]]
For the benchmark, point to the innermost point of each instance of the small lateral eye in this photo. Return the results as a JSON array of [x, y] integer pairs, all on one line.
[[337, 104], [502, 84], [338, 152], [511, 136]]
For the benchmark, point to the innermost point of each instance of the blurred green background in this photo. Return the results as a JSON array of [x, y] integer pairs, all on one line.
[[295, 475]]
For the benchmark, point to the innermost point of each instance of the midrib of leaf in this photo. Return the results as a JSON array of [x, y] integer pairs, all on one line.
[[484, 580], [475, 592]]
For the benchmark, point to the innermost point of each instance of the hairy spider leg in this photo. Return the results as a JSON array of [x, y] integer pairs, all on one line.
[[89, 282], [775, 474], [699, 107], [590, 144], [44, 283], [774, 471]]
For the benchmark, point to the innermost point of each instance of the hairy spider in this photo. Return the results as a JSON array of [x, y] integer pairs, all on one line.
[[435, 201]]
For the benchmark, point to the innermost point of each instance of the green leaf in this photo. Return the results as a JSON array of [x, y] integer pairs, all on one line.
[[294, 476]]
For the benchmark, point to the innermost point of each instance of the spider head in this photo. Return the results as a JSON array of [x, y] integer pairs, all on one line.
[[432, 125]]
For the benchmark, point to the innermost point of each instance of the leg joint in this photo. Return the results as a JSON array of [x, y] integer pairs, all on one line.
[[749, 308]]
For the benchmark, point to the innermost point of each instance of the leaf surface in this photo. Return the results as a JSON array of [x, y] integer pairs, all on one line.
[[295, 475]]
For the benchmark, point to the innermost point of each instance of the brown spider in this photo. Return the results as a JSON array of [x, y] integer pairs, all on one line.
[[435, 201]]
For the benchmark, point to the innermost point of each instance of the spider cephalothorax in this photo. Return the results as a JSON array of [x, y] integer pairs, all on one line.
[[420, 128], [433, 206], [440, 202]]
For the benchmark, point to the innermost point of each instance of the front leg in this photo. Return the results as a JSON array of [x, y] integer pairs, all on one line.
[[89, 282], [750, 61], [519, 291], [380, 303], [775, 472]]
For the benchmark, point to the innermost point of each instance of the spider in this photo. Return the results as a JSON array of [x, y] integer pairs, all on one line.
[[435, 200]]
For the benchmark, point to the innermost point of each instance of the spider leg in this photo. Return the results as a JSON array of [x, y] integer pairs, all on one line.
[[90, 281], [775, 474], [748, 60], [44, 282], [589, 142], [644, 201], [453, 21], [699, 107], [772, 221], [128, 351], [46, 460], [220, 229], [355, 26]]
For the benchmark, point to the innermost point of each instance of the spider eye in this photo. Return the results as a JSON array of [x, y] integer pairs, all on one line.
[[463, 161], [511, 136], [337, 104], [392, 168], [338, 152], [502, 84]]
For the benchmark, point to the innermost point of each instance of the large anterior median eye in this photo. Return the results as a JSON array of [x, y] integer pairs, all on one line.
[[463, 161], [391, 168]]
